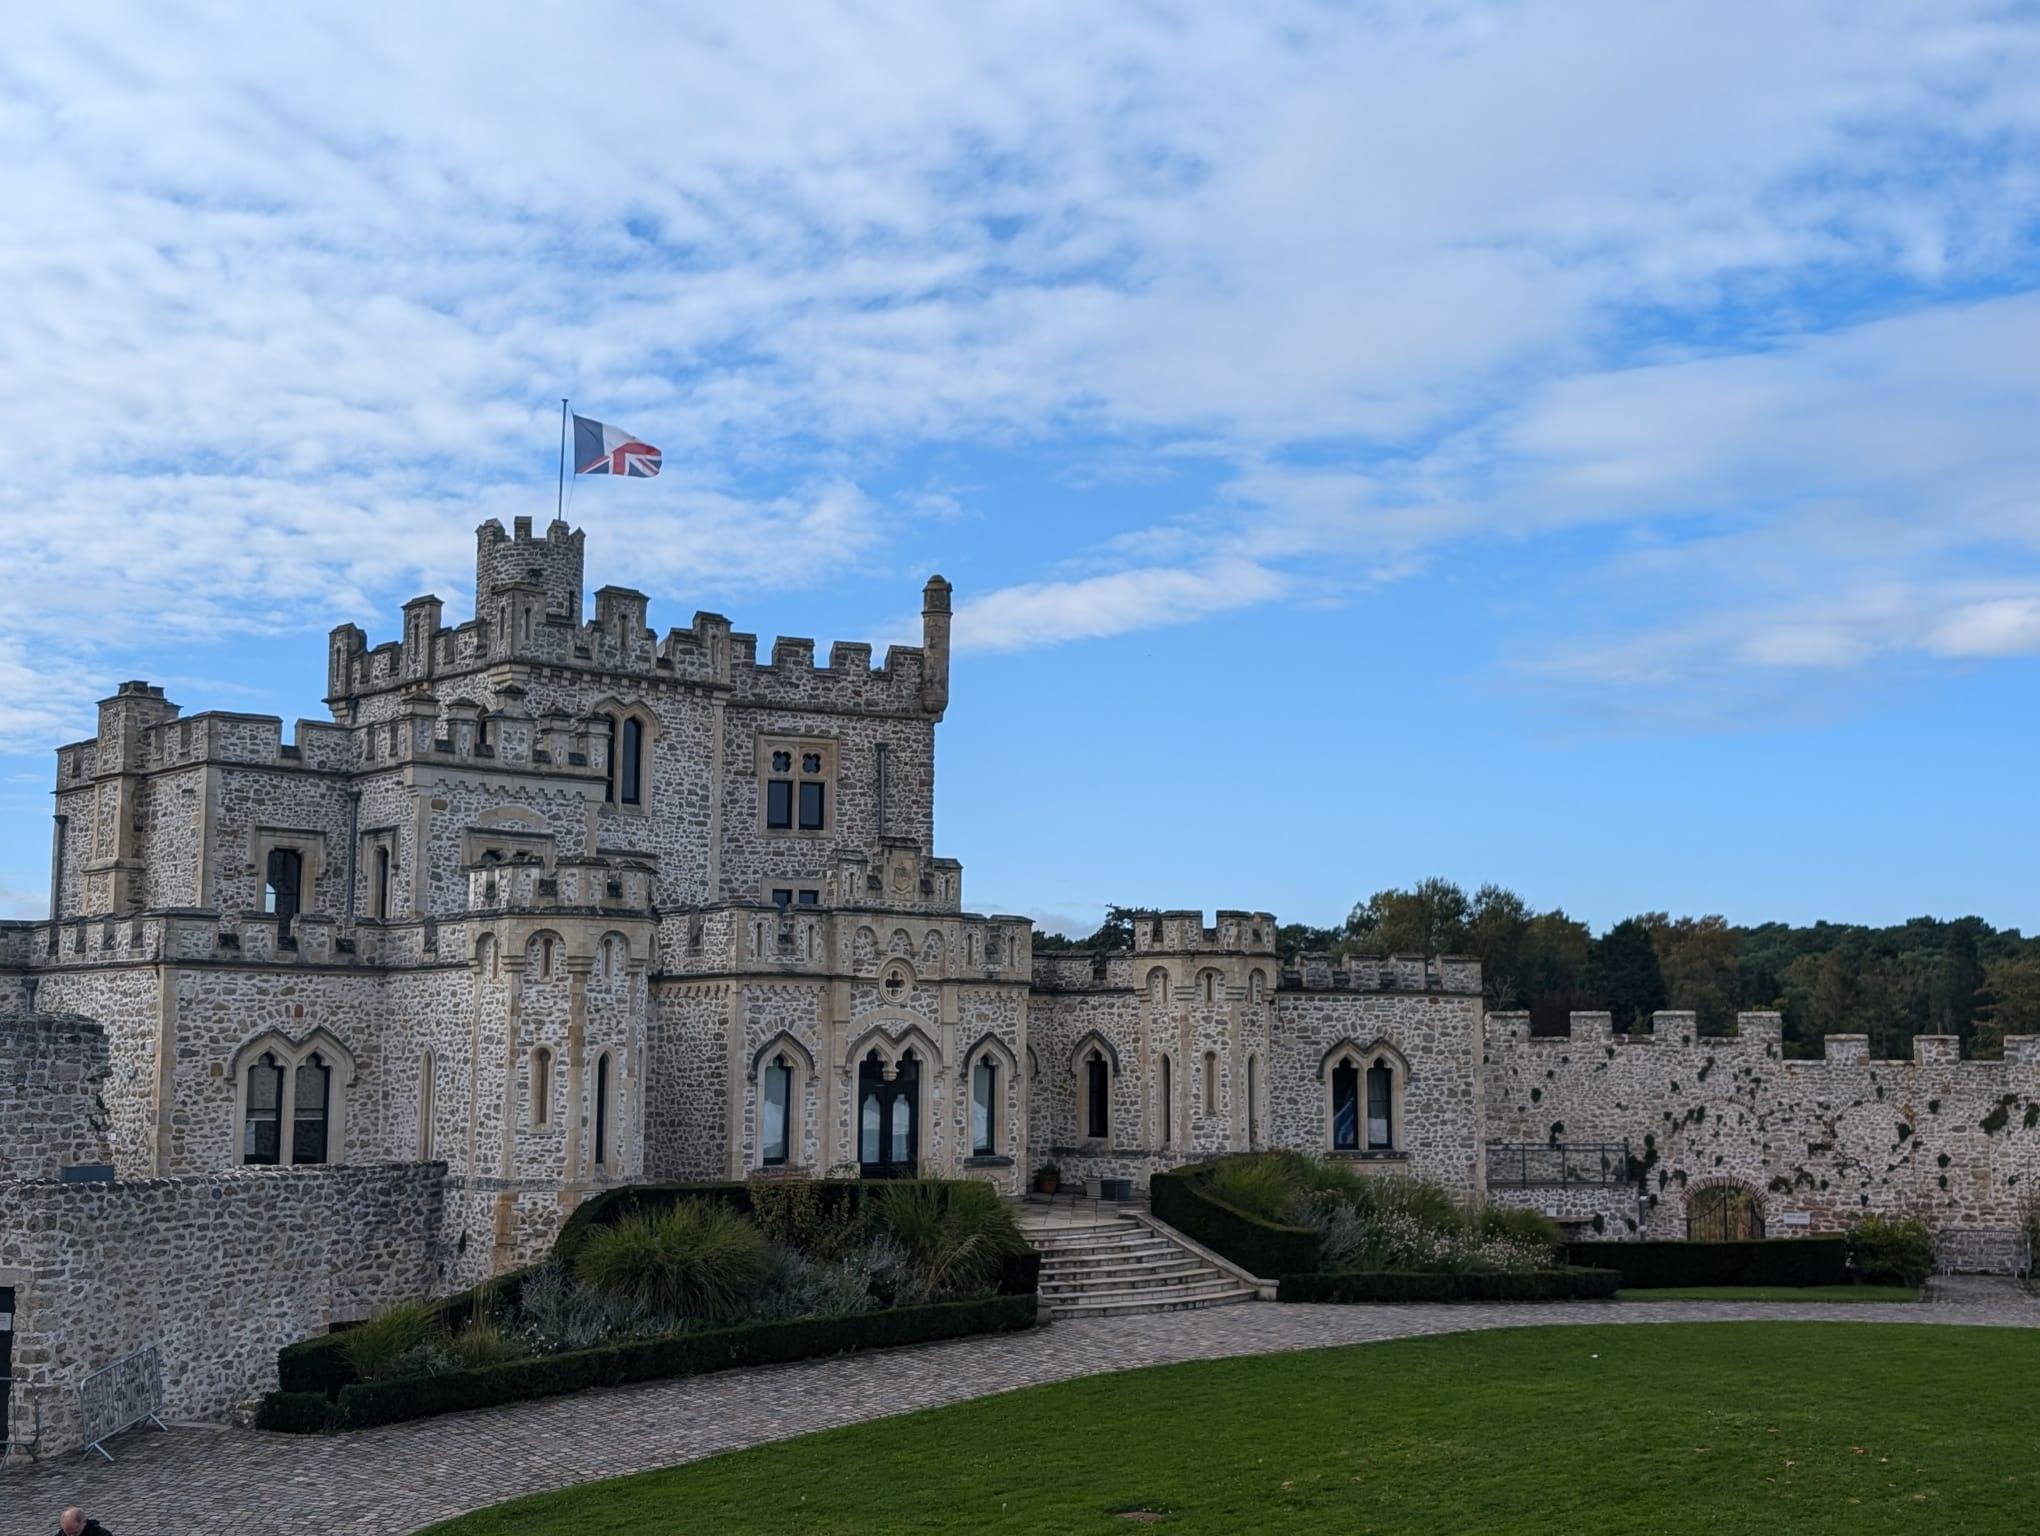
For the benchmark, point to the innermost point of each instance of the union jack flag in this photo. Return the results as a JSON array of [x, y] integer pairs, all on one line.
[[600, 449]]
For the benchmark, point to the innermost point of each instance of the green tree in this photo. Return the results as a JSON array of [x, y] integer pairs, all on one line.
[[1556, 951], [1958, 979], [1497, 932], [1427, 920], [2011, 1002], [1622, 971], [1697, 957]]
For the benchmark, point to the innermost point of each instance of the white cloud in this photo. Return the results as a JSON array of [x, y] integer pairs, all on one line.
[[2005, 626], [289, 300], [1044, 613]]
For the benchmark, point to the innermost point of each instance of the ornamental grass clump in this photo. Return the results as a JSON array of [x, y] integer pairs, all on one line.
[[697, 1260], [375, 1348], [957, 1236]]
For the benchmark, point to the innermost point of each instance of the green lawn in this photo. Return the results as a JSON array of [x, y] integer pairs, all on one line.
[[1600, 1430], [1772, 1293]]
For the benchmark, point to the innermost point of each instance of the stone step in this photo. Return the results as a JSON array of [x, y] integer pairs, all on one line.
[[1050, 1236], [1125, 1306], [1110, 1243], [1105, 1285], [1177, 1290], [1120, 1259], [1091, 1274]]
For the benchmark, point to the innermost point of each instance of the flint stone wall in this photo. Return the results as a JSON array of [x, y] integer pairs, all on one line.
[[53, 1071], [1818, 1143], [219, 1271]]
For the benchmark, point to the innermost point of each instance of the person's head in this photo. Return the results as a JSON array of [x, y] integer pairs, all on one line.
[[71, 1521]]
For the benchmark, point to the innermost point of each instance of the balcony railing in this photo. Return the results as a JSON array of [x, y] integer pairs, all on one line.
[[1523, 1165]]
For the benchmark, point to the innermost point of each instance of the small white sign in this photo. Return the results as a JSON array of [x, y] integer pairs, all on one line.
[[1796, 1219]]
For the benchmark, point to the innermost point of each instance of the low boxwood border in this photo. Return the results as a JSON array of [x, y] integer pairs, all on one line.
[[1259, 1247], [1569, 1284], [363, 1405], [1762, 1261]]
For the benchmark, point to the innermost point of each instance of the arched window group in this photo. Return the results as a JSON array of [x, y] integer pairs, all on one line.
[[1364, 1105], [290, 1103]]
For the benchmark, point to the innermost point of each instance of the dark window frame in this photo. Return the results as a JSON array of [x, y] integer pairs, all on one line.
[[1097, 1096], [1346, 1107]]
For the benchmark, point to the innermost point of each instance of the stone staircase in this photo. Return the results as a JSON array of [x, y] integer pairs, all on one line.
[[1117, 1265]]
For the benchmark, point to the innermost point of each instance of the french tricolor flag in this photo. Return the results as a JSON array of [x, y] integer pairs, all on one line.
[[600, 449]]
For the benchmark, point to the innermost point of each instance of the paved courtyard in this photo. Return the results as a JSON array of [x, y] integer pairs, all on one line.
[[204, 1480]]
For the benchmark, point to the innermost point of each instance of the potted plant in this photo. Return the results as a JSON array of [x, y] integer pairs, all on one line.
[[1047, 1179]]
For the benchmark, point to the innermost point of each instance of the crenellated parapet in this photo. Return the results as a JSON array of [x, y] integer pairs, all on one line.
[[528, 884], [1453, 974], [1184, 932]]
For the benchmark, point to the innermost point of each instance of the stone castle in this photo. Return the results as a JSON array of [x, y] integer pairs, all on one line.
[[552, 903]]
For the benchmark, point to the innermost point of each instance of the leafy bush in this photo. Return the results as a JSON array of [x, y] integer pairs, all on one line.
[[1891, 1251], [374, 1349], [794, 1214], [696, 1259], [1390, 1286], [1761, 1261]]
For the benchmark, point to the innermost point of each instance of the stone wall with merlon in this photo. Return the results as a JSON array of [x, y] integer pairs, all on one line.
[[1818, 1143]]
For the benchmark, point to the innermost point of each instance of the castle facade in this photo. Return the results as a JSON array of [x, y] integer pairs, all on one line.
[[559, 903]]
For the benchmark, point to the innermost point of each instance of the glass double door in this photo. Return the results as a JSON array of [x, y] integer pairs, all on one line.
[[888, 1119]]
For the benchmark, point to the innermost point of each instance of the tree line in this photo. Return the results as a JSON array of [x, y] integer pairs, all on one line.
[[1931, 976]]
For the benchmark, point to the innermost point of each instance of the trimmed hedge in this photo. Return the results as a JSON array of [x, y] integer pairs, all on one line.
[[1262, 1248], [1567, 1284], [298, 1413], [1763, 1261], [362, 1405], [319, 1365]]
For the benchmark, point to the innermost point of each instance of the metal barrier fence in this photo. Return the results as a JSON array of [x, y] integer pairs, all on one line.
[[1520, 1165], [124, 1394]]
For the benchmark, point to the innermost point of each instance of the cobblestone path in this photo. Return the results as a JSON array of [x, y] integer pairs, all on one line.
[[200, 1480]]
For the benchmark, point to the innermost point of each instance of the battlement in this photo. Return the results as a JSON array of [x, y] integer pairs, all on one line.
[[525, 884], [1757, 1033], [1240, 933], [173, 740], [1452, 974], [528, 609]]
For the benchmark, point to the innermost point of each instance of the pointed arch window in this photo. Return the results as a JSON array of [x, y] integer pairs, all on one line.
[[778, 1111], [1168, 1106], [262, 1133], [1097, 1107], [311, 1101], [1346, 1107], [1380, 1107], [603, 1150], [1211, 1082], [984, 1094]]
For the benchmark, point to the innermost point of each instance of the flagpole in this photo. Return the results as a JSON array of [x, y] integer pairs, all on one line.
[[560, 500]]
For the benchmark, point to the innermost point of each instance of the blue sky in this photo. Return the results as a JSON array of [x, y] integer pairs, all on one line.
[[1590, 447]]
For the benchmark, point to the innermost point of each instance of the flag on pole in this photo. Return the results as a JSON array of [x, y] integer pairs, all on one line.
[[600, 449]]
